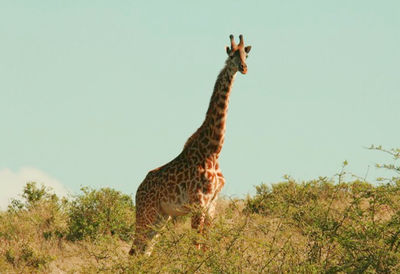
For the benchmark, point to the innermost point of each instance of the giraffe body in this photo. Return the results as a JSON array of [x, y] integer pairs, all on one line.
[[192, 181]]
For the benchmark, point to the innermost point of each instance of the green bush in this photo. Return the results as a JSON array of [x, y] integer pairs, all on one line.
[[33, 195], [350, 227], [284, 197], [101, 212]]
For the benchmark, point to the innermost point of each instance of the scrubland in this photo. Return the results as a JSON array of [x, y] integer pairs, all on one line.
[[326, 225]]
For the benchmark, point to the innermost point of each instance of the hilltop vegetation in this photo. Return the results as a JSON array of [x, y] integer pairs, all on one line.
[[322, 225]]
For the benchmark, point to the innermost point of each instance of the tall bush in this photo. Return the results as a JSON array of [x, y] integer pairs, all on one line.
[[101, 212]]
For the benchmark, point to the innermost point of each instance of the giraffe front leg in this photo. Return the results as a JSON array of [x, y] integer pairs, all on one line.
[[147, 231], [198, 220], [143, 238]]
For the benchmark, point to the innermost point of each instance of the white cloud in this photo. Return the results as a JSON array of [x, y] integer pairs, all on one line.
[[12, 183]]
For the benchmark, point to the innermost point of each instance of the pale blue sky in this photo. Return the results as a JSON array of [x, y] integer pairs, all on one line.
[[96, 93]]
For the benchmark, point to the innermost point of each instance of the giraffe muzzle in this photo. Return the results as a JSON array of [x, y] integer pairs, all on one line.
[[243, 69]]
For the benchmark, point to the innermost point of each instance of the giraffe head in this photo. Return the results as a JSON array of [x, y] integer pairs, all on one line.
[[238, 54]]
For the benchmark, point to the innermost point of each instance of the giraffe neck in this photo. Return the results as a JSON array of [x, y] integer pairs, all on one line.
[[207, 141]]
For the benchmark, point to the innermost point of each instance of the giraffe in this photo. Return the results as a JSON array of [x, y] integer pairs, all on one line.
[[191, 182]]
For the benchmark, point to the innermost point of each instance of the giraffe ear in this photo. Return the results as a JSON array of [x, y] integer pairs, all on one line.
[[247, 49], [228, 50]]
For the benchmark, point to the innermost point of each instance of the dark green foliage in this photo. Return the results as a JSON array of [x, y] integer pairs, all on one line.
[[101, 212]]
